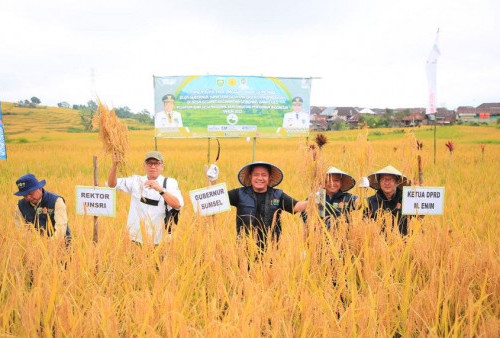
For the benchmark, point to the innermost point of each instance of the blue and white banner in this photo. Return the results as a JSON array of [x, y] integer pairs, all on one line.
[[231, 106], [3, 151]]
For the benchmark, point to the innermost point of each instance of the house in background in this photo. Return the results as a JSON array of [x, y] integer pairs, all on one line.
[[328, 118], [353, 121], [367, 111], [445, 116], [466, 113], [488, 112], [346, 112], [415, 119], [318, 121]]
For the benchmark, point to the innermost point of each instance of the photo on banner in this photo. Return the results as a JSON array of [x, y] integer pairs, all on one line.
[[3, 151], [231, 106]]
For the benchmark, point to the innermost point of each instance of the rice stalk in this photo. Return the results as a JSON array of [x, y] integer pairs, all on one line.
[[112, 133]]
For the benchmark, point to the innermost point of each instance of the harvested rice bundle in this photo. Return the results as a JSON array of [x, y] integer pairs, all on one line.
[[112, 133]]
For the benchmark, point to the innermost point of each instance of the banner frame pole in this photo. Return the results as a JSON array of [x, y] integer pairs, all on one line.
[[254, 146], [208, 151], [95, 234]]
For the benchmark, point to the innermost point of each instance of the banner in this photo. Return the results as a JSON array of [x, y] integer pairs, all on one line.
[[231, 106], [3, 151], [430, 68]]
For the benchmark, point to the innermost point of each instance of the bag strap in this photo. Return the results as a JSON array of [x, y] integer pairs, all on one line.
[[172, 215]]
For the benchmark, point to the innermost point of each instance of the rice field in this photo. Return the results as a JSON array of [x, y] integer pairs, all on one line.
[[441, 280]]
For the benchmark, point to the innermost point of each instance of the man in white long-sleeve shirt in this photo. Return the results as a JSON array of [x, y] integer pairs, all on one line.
[[153, 198]]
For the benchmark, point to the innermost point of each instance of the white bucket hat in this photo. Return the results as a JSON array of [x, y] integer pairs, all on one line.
[[401, 180], [348, 182], [275, 175]]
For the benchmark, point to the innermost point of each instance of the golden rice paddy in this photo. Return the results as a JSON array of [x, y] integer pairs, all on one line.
[[441, 280]]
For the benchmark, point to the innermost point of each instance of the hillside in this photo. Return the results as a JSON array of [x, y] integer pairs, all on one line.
[[19, 121]]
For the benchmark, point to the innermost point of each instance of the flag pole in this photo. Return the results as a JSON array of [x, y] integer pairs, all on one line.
[[431, 79], [435, 118]]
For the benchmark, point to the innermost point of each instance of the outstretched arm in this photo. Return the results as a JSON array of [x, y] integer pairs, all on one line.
[[300, 206]]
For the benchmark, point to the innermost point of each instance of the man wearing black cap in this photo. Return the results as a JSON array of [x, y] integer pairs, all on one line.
[[44, 210], [168, 117], [153, 199], [297, 118]]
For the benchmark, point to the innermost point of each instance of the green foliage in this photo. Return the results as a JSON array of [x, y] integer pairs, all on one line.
[[123, 112], [377, 121], [87, 113], [498, 120], [26, 103], [339, 125], [35, 100], [144, 117], [75, 130], [63, 104], [86, 116]]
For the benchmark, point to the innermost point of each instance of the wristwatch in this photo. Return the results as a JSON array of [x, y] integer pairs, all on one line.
[[162, 192]]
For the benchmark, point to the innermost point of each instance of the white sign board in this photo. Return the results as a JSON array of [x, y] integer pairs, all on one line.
[[95, 201], [210, 200], [423, 201]]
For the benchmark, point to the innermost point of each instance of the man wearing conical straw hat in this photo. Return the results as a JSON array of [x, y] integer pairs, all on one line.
[[388, 183], [338, 202], [259, 204]]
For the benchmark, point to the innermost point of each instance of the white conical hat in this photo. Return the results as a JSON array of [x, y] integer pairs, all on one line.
[[275, 177], [347, 181], [401, 179]]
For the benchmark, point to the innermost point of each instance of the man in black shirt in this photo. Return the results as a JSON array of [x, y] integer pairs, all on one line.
[[388, 183], [259, 204]]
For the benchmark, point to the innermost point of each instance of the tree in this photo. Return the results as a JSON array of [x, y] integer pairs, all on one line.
[[35, 100], [123, 112], [87, 114], [92, 105], [144, 117], [339, 125], [372, 121], [63, 104]]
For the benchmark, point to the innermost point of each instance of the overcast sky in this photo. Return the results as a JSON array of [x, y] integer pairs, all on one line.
[[364, 53]]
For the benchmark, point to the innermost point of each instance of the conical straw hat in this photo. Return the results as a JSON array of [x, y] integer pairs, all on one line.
[[275, 177], [347, 181], [401, 179]]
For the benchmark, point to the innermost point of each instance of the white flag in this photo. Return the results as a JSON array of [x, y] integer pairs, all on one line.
[[431, 75], [3, 151]]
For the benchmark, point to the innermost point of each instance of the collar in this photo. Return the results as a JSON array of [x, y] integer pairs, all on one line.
[[381, 194], [338, 194]]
